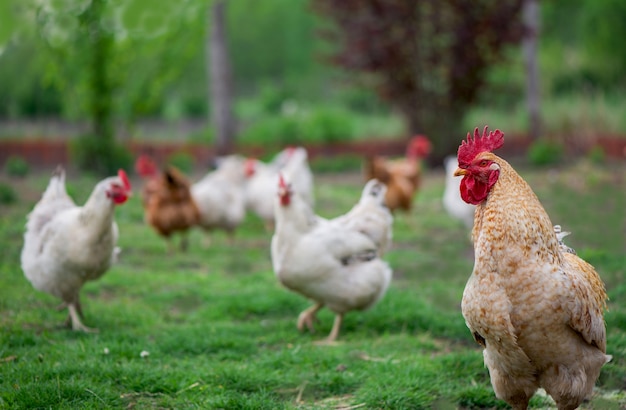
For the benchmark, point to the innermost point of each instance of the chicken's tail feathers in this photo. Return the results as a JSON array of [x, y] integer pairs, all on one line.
[[374, 188], [56, 186], [175, 178]]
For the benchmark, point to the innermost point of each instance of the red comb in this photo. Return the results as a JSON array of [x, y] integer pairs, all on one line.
[[281, 181], [122, 174], [474, 146], [419, 146], [145, 166], [249, 167]]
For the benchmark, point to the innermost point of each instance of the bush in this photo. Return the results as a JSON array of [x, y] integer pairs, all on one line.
[[327, 125], [543, 152], [596, 155], [279, 131], [322, 125], [203, 136], [103, 156], [16, 166], [7, 194], [181, 160], [339, 163]]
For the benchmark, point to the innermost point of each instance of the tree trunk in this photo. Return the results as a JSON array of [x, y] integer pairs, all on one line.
[[220, 80], [100, 43], [531, 26]]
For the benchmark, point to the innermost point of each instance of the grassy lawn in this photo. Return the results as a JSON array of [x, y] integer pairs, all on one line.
[[218, 331]]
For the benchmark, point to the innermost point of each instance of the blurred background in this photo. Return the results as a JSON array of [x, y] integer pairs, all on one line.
[[95, 82]]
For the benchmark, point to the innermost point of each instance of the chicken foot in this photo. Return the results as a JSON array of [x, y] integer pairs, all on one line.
[[308, 317], [334, 332], [79, 309], [75, 310], [75, 313]]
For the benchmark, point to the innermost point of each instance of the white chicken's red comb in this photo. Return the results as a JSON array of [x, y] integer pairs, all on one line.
[[122, 175], [474, 146]]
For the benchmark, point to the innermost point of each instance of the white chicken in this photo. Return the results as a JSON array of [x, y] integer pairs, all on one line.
[[336, 262], [262, 180], [370, 216], [296, 169], [66, 245], [220, 196], [452, 202]]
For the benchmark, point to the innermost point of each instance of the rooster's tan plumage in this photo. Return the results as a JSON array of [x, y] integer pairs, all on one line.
[[536, 308]]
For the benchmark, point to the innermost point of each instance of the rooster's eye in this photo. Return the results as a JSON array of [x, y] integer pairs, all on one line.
[[483, 163]]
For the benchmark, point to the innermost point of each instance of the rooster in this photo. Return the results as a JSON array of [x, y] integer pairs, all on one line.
[[336, 262], [534, 307], [402, 176], [167, 201], [66, 245]]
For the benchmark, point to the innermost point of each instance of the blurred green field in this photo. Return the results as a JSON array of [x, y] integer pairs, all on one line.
[[219, 331]]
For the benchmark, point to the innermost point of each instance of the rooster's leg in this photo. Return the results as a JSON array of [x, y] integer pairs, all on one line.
[[206, 241], [170, 246], [308, 316], [77, 325], [184, 242]]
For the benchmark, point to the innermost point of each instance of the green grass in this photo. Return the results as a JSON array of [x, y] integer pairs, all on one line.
[[220, 331]]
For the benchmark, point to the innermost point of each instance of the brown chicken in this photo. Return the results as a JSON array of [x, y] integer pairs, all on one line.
[[167, 201], [402, 176], [535, 307]]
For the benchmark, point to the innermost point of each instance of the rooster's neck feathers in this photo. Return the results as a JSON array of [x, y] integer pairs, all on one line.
[[512, 210]]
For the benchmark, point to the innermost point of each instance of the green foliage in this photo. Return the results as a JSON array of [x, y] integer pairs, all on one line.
[[345, 163], [596, 154], [16, 166], [182, 160], [102, 156], [203, 136], [327, 125], [7, 194], [545, 152], [315, 126], [272, 131]]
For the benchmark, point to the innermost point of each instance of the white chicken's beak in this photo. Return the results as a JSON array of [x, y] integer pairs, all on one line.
[[460, 171]]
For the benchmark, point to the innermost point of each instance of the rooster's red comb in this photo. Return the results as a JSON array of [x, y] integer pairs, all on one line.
[[419, 146], [474, 146], [145, 166], [281, 181], [122, 174]]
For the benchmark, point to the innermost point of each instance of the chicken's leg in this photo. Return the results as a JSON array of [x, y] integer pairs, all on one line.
[[77, 325], [308, 316], [184, 242], [334, 333]]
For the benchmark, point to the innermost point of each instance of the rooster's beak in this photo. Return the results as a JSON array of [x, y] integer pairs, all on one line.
[[459, 172]]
